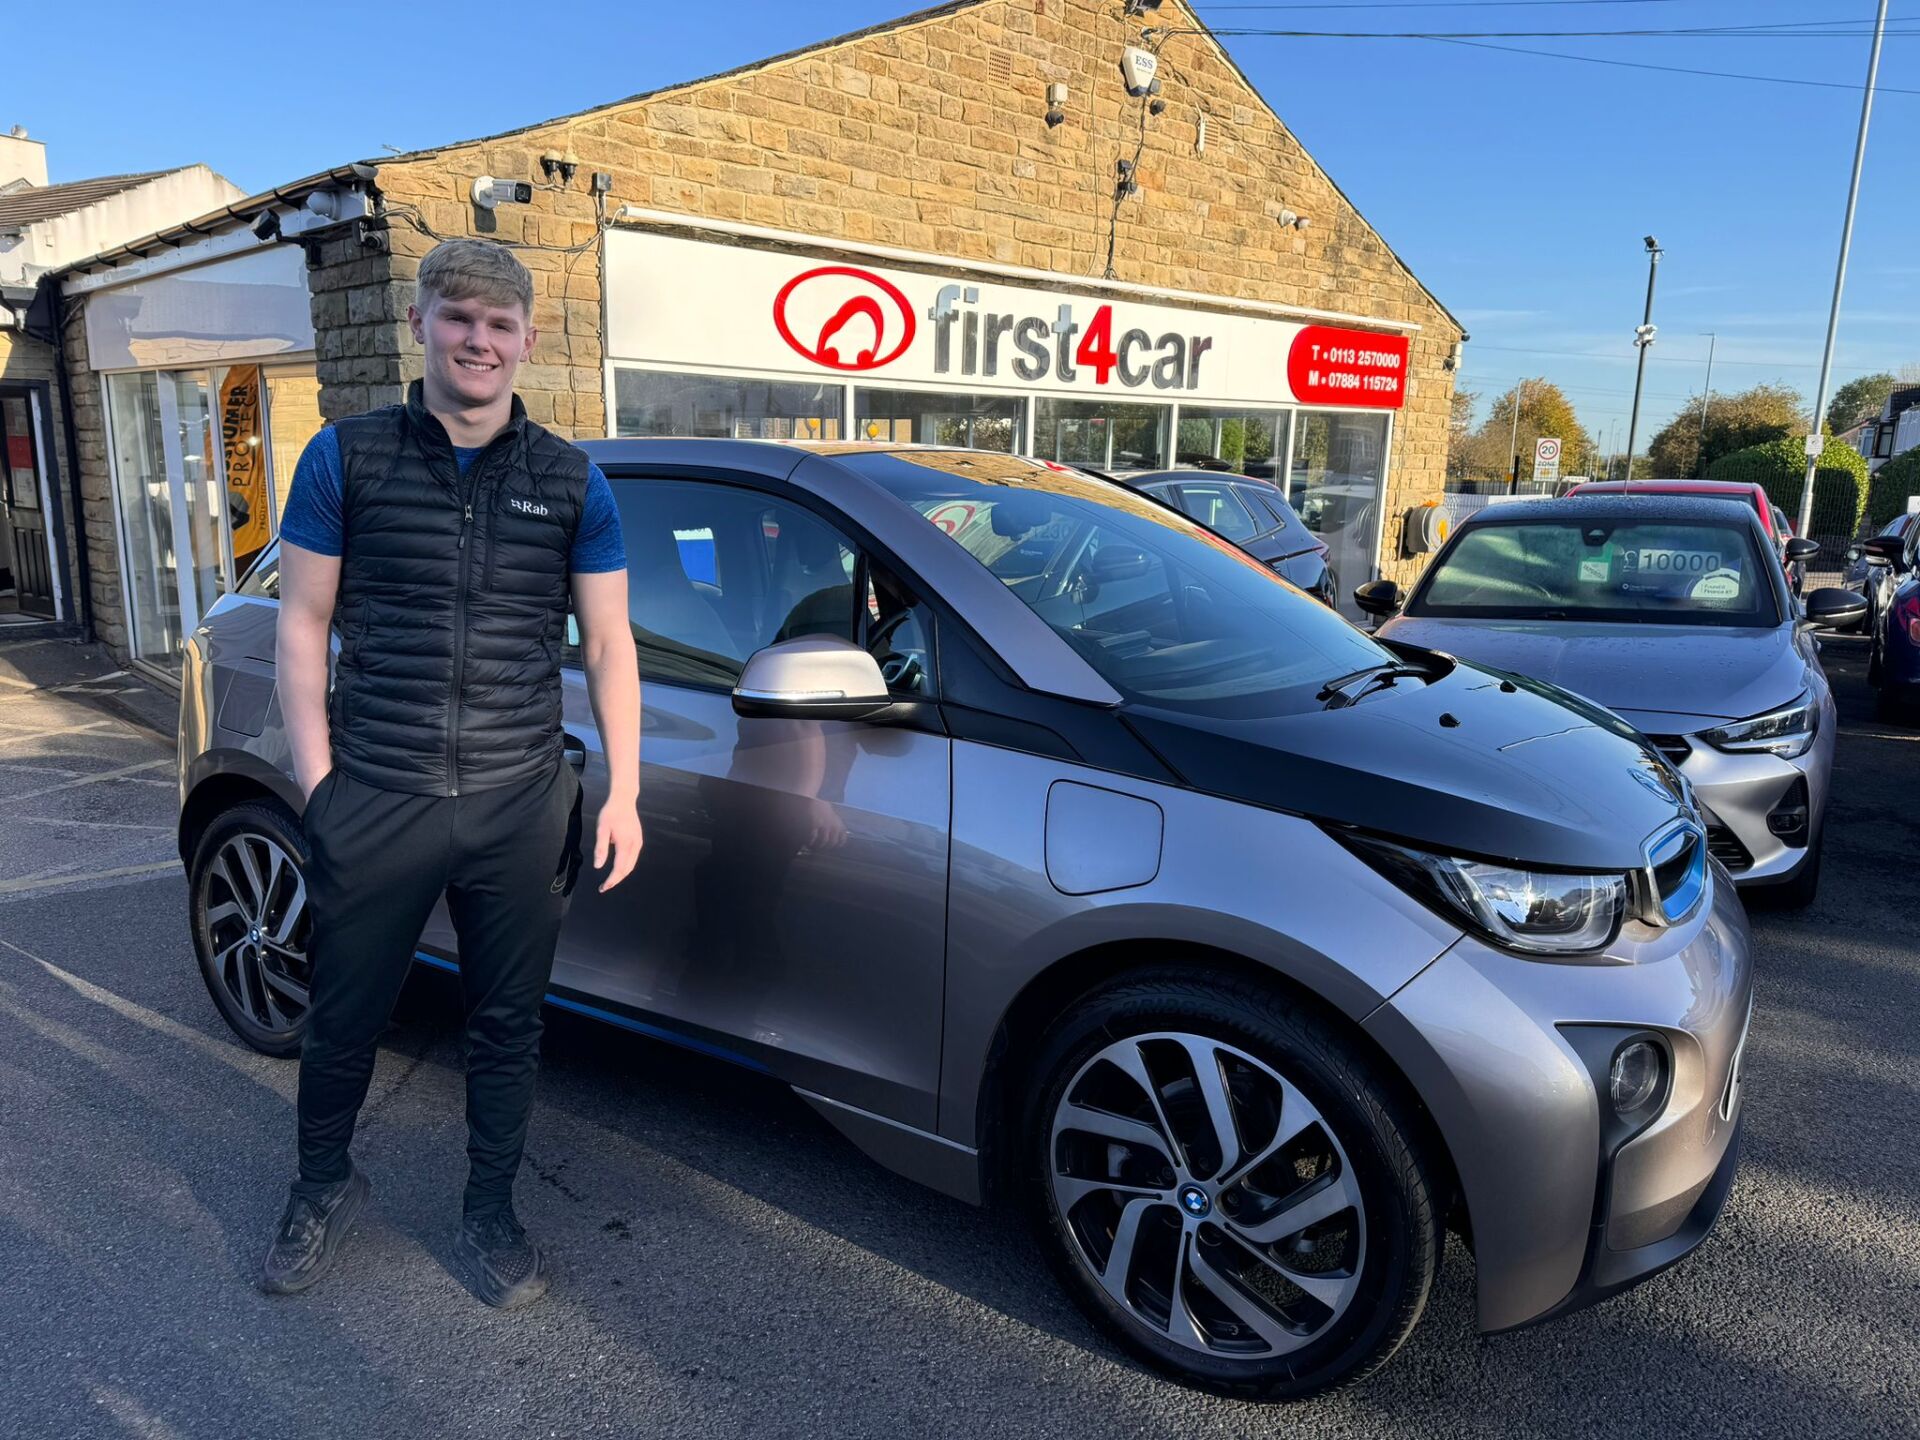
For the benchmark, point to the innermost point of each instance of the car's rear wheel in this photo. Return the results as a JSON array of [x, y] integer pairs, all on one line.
[[1227, 1188], [251, 924]]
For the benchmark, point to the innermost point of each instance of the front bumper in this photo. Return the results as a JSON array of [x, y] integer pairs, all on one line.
[[1482, 1035], [1737, 792]]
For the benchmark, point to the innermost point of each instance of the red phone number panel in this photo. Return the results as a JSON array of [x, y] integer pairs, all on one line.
[[1327, 366]]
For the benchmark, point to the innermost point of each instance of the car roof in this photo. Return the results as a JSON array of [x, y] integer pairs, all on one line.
[[1611, 507], [1667, 487]]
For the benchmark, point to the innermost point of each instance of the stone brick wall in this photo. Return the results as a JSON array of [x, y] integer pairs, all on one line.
[[927, 135], [96, 484]]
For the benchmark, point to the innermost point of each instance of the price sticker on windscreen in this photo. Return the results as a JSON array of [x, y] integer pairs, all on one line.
[[1648, 561]]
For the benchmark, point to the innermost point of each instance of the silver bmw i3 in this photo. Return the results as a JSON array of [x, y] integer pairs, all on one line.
[[1062, 854]]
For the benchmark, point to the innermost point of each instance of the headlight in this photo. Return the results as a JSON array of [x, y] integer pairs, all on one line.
[[1537, 912], [1788, 733]]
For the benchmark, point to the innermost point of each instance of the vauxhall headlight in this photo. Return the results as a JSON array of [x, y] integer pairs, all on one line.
[[1788, 733], [1537, 912]]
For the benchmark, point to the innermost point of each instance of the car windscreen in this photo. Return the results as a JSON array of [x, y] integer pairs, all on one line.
[[1166, 611], [1679, 573]]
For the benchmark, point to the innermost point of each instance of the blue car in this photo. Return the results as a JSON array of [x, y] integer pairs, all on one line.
[[1893, 666]]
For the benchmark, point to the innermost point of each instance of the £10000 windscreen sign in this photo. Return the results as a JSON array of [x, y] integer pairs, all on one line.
[[674, 302]]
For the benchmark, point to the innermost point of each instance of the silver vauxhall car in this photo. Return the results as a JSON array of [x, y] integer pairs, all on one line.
[[1673, 612], [1059, 852]]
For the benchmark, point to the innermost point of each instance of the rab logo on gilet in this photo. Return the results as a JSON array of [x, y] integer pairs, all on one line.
[[526, 507]]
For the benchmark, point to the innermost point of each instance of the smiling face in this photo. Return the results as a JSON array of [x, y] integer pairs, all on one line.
[[473, 347]]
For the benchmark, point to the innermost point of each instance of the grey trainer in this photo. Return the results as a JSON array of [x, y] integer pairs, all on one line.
[[311, 1232]]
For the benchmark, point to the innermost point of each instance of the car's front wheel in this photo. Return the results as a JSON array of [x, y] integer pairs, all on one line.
[[1227, 1187], [251, 924]]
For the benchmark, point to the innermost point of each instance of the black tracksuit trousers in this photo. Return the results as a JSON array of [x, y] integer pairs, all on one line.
[[506, 859]]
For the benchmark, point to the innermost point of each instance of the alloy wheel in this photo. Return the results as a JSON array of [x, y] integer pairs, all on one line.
[[255, 902], [1207, 1196]]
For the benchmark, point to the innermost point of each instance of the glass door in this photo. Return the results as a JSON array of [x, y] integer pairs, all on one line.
[[169, 484]]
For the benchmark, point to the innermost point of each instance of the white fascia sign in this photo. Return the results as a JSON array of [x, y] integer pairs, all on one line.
[[674, 302]]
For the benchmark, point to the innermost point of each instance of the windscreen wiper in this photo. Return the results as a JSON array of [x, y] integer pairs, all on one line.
[[1334, 694]]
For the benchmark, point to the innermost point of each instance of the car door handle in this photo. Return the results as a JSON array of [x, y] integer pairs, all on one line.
[[576, 753]]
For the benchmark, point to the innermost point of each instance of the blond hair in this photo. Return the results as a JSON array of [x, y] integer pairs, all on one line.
[[475, 270]]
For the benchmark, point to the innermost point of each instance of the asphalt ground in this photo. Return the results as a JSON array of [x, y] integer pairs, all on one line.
[[728, 1266]]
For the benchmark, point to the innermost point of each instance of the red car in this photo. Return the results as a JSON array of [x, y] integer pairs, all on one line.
[[1772, 520]]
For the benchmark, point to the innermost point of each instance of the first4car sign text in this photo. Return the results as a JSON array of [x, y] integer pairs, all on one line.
[[674, 301]]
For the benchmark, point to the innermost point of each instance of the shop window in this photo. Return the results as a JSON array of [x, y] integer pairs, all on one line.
[[1339, 465], [1103, 435], [653, 402], [938, 417], [1244, 442], [293, 418], [146, 516]]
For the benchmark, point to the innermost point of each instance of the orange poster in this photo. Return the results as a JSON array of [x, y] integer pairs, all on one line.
[[240, 441]]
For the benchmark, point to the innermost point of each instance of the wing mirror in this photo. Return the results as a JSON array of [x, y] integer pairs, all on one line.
[[816, 677], [1379, 598], [1119, 562], [1801, 548], [1887, 549], [1831, 608]]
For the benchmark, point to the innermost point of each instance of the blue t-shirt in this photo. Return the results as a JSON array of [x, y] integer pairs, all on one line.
[[314, 520]]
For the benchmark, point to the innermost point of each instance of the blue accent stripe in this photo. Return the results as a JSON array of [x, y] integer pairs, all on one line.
[[625, 1022]]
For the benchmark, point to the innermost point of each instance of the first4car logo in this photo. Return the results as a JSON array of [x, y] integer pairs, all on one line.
[[846, 318], [843, 318]]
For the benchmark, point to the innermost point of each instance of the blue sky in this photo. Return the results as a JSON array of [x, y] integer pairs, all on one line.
[[1517, 187]]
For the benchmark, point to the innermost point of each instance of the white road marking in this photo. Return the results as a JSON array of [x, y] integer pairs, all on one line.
[[270, 1073], [104, 775], [54, 879]]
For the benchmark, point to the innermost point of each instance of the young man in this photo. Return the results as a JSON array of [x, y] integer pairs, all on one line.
[[446, 537]]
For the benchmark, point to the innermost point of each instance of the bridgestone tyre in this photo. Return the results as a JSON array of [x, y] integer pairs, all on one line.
[[1367, 1268], [247, 903]]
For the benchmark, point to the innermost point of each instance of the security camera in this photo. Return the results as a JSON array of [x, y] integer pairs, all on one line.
[[266, 225]]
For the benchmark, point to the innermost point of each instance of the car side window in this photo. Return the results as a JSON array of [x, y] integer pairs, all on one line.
[[717, 571], [1260, 502], [1219, 509], [263, 580]]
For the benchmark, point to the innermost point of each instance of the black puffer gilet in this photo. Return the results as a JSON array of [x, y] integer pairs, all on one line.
[[453, 602]]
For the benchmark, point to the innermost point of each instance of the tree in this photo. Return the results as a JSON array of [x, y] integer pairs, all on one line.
[[1460, 433], [1839, 485], [1859, 400], [1734, 422], [1544, 410]]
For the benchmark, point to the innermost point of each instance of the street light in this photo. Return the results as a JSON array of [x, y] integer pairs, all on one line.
[[1642, 338], [1816, 440], [1706, 399]]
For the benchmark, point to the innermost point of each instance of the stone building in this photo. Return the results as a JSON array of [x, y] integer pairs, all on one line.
[[976, 225]]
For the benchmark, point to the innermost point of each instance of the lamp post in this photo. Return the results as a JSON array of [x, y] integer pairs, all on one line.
[[1642, 339], [1816, 440], [1513, 438], [1706, 399]]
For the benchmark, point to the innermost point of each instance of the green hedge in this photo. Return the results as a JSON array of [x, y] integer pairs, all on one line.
[[1893, 482], [1839, 489]]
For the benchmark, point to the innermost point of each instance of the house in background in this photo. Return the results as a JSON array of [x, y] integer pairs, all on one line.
[[44, 227], [1895, 430]]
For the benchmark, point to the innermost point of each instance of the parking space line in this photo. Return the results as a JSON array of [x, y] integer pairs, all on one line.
[[268, 1073], [6, 739], [54, 879], [105, 775], [87, 824]]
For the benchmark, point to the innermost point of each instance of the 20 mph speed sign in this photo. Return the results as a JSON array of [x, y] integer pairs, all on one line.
[[1546, 458]]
